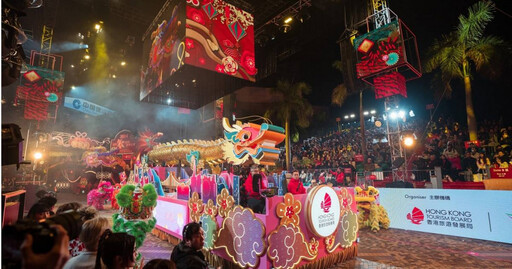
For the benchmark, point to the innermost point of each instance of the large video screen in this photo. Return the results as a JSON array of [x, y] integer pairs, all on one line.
[[379, 50], [163, 49], [220, 37]]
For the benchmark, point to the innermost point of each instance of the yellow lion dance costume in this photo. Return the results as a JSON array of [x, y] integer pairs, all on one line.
[[370, 213]]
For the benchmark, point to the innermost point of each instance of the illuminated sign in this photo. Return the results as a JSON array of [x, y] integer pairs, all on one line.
[[323, 211]]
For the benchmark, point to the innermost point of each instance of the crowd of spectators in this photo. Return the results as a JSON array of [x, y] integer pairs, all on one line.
[[441, 142]]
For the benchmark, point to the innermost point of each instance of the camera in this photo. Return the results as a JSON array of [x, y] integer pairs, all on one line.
[[43, 234]]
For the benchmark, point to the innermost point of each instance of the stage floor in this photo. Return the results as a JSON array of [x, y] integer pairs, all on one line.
[[391, 248]]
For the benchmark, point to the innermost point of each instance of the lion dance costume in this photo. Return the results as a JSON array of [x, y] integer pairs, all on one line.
[[370, 214], [135, 215]]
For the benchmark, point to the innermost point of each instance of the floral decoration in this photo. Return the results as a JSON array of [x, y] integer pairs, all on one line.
[[313, 246], [289, 210], [193, 2], [224, 202], [195, 206], [230, 65], [210, 208], [249, 63], [345, 201], [329, 242]]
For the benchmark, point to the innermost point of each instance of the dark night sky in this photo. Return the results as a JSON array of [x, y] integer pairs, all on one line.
[[427, 19]]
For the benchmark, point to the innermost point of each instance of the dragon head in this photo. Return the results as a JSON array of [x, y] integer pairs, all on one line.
[[252, 140]]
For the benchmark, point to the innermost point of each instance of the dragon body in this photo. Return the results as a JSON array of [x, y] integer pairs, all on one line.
[[241, 143]]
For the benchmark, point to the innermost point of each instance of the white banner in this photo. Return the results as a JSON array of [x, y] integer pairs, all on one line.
[[468, 213]]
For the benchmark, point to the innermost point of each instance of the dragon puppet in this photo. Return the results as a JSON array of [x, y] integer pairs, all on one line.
[[371, 214], [241, 143]]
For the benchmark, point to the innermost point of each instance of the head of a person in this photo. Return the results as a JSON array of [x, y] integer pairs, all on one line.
[[468, 154], [295, 174], [449, 144], [50, 201], [254, 170], [432, 157], [158, 264], [68, 206], [193, 235], [116, 250], [369, 160], [92, 231], [39, 212], [87, 212]]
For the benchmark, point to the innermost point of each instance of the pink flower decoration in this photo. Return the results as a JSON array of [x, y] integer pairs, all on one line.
[[196, 16], [219, 68], [230, 65], [189, 43], [249, 63], [201, 60]]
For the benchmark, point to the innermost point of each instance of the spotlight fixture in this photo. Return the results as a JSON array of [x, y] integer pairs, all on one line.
[[169, 100], [288, 20], [373, 112], [285, 28], [72, 66], [366, 113], [352, 115], [114, 76], [73, 87], [38, 155], [87, 57], [123, 63]]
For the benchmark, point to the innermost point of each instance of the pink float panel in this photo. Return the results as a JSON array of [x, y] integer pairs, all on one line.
[[171, 215]]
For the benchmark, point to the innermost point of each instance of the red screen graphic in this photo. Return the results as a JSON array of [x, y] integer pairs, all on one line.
[[220, 37]]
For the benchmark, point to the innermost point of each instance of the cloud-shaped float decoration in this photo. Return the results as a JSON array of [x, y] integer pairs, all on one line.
[[210, 231], [243, 237], [287, 247], [346, 233]]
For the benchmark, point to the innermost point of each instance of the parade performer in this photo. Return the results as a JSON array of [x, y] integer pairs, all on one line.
[[254, 182], [97, 197], [370, 214], [136, 213]]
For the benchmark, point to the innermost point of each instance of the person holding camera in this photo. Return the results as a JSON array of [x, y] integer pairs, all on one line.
[[89, 236], [54, 259], [187, 254]]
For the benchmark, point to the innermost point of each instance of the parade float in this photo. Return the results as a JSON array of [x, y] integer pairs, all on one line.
[[313, 230]]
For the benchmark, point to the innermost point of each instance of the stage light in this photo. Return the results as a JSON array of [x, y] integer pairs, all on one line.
[[87, 57], [288, 20], [169, 100], [352, 115], [373, 112], [113, 76], [123, 63], [97, 26], [72, 66], [401, 114], [73, 87], [38, 155], [408, 141], [393, 115], [411, 113], [285, 28], [366, 113], [346, 117], [388, 108]]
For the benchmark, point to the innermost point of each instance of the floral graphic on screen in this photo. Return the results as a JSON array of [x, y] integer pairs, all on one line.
[[223, 39], [243, 237]]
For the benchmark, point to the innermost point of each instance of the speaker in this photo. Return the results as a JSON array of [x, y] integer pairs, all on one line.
[[398, 162], [12, 145]]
